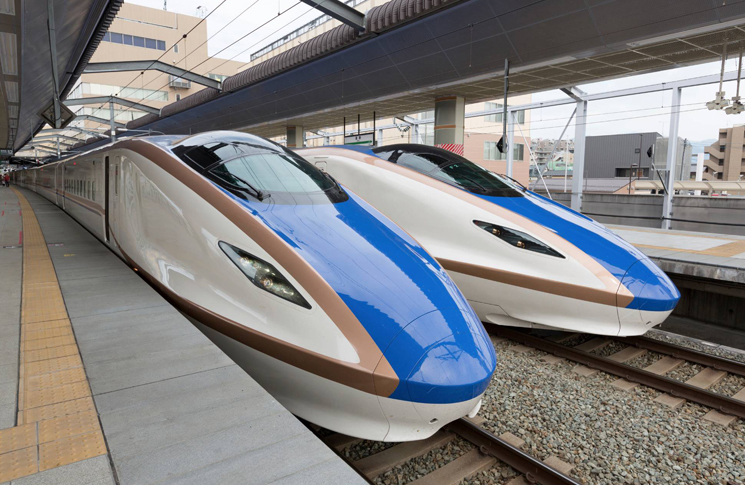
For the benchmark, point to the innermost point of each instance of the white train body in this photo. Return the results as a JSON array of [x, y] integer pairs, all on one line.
[[324, 361]]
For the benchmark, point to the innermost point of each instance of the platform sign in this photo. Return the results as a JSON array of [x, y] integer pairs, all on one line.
[[364, 139]]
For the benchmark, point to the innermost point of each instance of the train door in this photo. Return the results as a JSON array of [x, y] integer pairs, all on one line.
[[114, 189], [64, 184], [57, 183], [106, 197]]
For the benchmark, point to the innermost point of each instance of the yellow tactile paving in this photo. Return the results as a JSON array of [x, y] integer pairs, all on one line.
[[67, 426], [63, 331], [53, 353], [39, 326], [57, 419], [50, 342], [18, 437], [52, 365], [19, 463], [46, 381], [59, 409], [70, 450], [53, 395]]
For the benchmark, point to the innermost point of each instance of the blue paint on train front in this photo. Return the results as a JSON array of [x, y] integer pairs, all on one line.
[[412, 309]]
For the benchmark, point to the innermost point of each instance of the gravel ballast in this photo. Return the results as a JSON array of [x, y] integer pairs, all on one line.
[[610, 436]]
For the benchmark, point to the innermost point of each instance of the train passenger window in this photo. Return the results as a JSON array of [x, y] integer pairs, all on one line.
[[273, 172]]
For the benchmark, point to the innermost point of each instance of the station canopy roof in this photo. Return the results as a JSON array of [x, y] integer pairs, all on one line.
[[26, 54], [413, 52]]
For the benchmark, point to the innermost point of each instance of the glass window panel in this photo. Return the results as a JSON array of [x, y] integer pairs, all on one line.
[[107, 37], [273, 172], [422, 163], [116, 38], [161, 45], [151, 43], [127, 39], [138, 41]]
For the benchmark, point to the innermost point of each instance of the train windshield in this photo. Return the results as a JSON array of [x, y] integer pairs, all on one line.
[[250, 166], [451, 169]]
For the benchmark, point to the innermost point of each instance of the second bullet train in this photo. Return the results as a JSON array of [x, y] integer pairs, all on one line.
[[337, 312], [520, 258]]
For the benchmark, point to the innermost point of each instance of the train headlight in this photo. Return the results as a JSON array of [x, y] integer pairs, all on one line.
[[518, 239], [264, 275]]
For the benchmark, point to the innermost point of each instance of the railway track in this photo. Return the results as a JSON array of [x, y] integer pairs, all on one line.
[[487, 451], [695, 389]]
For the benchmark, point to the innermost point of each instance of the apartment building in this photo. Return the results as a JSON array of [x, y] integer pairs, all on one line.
[[726, 159], [143, 33], [481, 132]]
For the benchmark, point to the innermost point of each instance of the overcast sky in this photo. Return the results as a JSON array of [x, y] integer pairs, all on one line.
[[649, 112]]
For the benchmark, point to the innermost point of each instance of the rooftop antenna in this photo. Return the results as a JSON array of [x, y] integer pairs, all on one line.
[[165, 4]]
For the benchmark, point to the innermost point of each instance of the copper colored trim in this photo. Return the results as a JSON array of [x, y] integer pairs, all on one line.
[[444, 127], [352, 375], [612, 286], [568, 290], [369, 354]]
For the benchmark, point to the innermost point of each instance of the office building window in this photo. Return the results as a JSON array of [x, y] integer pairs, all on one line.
[[133, 40], [175, 48], [217, 77], [497, 118], [178, 97], [492, 153]]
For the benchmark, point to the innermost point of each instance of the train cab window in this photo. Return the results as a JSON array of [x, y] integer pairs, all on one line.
[[271, 173], [420, 162]]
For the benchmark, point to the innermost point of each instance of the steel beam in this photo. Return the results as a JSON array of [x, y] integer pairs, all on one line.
[[66, 129], [53, 54], [96, 119], [126, 66], [55, 137], [111, 99], [672, 149], [578, 171], [340, 11]]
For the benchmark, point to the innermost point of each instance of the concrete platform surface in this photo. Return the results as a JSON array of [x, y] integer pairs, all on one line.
[[703, 255], [172, 407]]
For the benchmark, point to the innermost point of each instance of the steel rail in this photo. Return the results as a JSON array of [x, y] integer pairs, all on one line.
[[724, 404], [691, 355], [534, 470]]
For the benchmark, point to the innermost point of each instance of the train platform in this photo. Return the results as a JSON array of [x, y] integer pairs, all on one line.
[[697, 254], [103, 382]]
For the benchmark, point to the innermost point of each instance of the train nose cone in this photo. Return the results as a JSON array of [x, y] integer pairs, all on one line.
[[652, 289], [442, 357]]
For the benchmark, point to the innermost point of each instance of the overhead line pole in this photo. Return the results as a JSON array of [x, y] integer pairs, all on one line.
[[505, 113]]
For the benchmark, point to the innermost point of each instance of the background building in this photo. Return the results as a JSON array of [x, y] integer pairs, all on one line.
[[142, 33], [726, 160]]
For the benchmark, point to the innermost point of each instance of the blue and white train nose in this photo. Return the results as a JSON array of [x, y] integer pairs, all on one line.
[[444, 367], [654, 296]]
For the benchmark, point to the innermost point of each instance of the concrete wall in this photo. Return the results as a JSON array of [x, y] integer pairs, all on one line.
[[705, 213]]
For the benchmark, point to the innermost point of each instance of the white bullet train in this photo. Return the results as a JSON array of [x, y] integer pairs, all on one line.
[[330, 306], [521, 259]]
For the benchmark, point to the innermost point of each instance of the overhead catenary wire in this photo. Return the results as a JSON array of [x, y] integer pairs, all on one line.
[[183, 37], [294, 87], [235, 42]]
